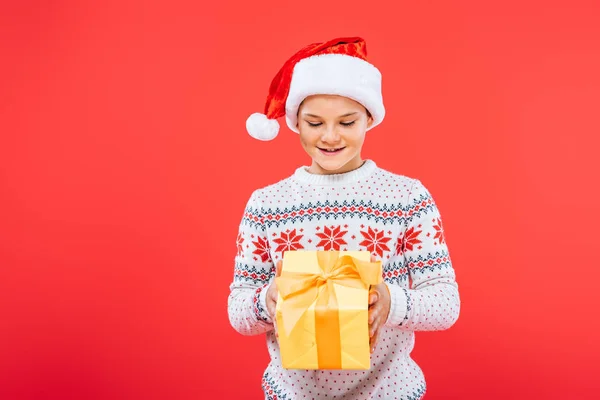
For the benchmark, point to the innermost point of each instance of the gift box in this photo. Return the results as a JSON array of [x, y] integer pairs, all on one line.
[[322, 309]]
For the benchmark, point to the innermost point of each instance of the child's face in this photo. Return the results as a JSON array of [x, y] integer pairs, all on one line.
[[329, 122]]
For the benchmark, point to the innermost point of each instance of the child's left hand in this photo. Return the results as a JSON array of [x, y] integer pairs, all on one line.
[[379, 309]]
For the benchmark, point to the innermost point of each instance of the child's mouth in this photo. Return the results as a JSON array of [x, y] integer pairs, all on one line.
[[331, 152]]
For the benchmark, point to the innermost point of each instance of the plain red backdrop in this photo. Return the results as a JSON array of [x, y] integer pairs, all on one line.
[[125, 167]]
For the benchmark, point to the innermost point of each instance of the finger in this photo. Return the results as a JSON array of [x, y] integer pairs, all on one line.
[[372, 316], [279, 267], [374, 312], [374, 342], [373, 297], [373, 258], [375, 338], [374, 323], [272, 299], [273, 305]]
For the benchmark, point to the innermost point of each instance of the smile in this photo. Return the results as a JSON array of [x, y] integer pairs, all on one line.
[[330, 152]]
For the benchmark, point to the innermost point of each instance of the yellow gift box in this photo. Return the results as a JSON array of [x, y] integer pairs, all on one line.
[[322, 310]]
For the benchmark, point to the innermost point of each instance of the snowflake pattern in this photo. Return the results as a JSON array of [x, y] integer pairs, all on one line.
[[332, 238], [439, 230], [411, 238], [239, 243], [262, 249], [375, 241], [400, 245], [288, 240]]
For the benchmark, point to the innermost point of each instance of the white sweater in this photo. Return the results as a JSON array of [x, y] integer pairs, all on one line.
[[392, 216]]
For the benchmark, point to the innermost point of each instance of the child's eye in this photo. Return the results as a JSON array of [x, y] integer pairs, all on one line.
[[348, 123], [314, 123]]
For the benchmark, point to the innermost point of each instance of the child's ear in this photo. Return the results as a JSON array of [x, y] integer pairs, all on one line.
[[369, 121]]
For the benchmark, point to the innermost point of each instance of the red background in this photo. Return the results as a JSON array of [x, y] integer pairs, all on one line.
[[125, 167]]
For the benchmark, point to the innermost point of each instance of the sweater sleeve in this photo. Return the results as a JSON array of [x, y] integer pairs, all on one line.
[[252, 275], [432, 301]]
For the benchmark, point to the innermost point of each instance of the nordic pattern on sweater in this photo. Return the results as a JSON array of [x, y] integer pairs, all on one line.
[[392, 216]]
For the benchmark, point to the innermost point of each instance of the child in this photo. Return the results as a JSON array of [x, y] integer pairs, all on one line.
[[331, 96]]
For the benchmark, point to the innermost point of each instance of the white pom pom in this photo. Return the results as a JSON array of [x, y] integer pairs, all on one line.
[[262, 128]]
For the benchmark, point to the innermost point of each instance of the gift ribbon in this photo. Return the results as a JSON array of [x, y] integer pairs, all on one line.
[[299, 290]]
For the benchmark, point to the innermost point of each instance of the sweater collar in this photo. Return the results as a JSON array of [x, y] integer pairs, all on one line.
[[365, 170]]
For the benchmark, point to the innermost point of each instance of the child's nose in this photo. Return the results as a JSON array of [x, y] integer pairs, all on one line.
[[331, 135]]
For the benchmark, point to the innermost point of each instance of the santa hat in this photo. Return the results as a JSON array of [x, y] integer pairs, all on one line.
[[337, 67]]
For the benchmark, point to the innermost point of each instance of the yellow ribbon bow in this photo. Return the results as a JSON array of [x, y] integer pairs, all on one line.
[[299, 290]]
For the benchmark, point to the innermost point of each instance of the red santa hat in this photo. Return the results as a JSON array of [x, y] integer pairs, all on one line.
[[338, 67]]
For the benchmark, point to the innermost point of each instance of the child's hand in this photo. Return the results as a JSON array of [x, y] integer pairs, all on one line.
[[271, 296], [379, 308]]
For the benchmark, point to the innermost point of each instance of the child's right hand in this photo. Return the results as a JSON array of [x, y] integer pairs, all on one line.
[[271, 296]]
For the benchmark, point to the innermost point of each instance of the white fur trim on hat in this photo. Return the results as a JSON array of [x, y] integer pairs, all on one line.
[[262, 128], [337, 74]]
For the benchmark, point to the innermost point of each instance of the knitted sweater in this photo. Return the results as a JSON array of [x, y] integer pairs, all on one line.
[[392, 216]]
